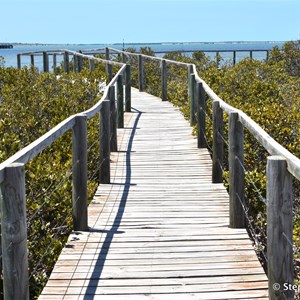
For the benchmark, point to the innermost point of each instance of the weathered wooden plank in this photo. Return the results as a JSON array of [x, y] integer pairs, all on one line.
[[127, 290], [160, 281], [160, 229], [280, 227], [79, 178], [14, 233]]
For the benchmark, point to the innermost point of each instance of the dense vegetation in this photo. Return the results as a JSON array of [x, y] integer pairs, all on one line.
[[32, 103]]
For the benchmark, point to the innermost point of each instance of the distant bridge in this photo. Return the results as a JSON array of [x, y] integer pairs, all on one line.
[[6, 46]]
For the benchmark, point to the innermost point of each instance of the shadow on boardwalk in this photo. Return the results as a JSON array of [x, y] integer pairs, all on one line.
[[96, 275]]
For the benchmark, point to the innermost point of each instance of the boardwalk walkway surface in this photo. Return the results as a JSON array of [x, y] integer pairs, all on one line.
[[160, 229]]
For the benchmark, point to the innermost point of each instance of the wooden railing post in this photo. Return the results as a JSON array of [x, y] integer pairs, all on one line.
[[234, 58], [79, 188], [45, 62], [32, 60], [218, 143], [75, 64], [192, 99], [164, 93], [113, 120], [107, 54], [236, 171], [251, 54], [66, 62], [267, 55], [218, 59], [14, 233], [120, 102], [201, 116], [92, 64], [141, 73], [105, 142], [54, 63], [279, 223], [128, 89], [19, 61], [79, 63], [124, 59], [108, 65]]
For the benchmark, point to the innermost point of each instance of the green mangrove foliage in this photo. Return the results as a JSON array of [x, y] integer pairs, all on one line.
[[32, 104]]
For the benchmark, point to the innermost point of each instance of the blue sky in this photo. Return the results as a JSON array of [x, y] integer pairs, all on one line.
[[112, 21]]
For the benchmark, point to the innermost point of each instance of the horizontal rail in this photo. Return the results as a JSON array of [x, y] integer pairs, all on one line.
[[36, 147], [12, 170], [94, 58], [93, 110], [212, 51], [62, 52], [154, 58], [270, 145], [281, 166]]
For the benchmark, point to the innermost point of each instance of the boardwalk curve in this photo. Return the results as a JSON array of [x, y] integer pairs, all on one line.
[[159, 230]]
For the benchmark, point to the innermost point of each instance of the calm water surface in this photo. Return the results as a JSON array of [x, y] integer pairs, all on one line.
[[10, 55]]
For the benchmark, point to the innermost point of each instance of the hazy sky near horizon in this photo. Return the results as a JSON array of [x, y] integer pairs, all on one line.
[[112, 21]]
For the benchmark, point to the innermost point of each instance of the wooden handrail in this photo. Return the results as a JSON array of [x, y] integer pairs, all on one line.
[[36, 147], [77, 123], [281, 166], [270, 145], [283, 160]]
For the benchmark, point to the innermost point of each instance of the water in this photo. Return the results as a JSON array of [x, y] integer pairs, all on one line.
[[10, 55]]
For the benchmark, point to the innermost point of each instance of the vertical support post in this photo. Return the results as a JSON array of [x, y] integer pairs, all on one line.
[[218, 59], [92, 64], [19, 61], [107, 54], [267, 55], [120, 102], [108, 65], [109, 71], [279, 223], [164, 93], [105, 142], [45, 62], [79, 188], [234, 58], [124, 58], [14, 233], [251, 54], [79, 63], [218, 143], [192, 99], [128, 89], [75, 64], [141, 73], [113, 120], [32, 60], [236, 171], [66, 62], [201, 117], [54, 62]]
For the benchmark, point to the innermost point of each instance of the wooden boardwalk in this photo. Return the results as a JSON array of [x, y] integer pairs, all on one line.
[[160, 230]]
